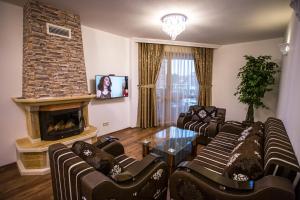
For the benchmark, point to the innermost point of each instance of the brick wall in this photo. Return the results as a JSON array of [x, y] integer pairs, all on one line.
[[52, 66]]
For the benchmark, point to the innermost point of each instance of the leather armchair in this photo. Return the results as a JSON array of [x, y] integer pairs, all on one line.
[[74, 178], [208, 128]]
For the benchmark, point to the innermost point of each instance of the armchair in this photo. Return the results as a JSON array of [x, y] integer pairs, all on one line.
[[74, 178], [205, 120]]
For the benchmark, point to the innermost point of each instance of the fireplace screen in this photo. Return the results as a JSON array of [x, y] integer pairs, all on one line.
[[60, 123]]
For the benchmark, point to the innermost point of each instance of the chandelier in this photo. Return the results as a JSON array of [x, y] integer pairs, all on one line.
[[173, 24]]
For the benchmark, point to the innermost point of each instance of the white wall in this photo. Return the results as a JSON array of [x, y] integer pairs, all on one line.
[[289, 95], [134, 82], [106, 53], [12, 117], [226, 63]]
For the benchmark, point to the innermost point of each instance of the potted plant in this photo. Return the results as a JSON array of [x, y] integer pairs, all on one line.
[[257, 77]]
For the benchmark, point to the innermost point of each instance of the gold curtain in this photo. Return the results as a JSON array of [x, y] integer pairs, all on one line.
[[150, 56], [203, 67]]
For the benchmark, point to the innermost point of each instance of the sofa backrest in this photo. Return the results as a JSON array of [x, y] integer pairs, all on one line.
[[279, 156], [67, 169], [220, 112]]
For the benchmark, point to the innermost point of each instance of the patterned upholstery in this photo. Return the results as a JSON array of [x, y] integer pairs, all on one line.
[[200, 118], [73, 178], [279, 157], [125, 161], [206, 177], [204, 120], [197, 126], [66, 169], [217, 153]]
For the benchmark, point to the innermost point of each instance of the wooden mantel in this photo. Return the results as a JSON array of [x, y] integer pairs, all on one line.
[[52, 100], [32, 152]]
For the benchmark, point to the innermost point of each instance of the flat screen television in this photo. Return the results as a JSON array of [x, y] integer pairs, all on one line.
[[109, 87]]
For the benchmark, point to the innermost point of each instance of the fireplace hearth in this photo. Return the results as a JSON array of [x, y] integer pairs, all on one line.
[[49, 121]]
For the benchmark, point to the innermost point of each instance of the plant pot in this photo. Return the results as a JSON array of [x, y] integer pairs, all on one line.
[[250, 114]]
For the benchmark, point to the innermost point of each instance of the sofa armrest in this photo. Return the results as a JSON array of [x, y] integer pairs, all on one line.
[[97, 186], [183, 119], [212, 128], [138, 167], [92, 182], [204, 184], [232, 128], [114, 148], [221, 114], [222, 181], [104, 140]]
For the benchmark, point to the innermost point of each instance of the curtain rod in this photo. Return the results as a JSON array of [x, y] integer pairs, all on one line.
[[176, 43]]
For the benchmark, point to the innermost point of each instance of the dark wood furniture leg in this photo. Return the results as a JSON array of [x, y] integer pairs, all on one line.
[[194, 148], [146, 148], [170, 163]]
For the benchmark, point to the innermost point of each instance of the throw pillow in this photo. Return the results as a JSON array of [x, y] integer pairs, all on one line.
[[95, 157], [246, 161], [195, 117], [200, 114], [258, 128], [254, 129], [252, 145], [243, 167], [212, 111]]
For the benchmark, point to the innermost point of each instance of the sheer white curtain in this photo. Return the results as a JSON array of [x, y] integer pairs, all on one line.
[[177, 85]]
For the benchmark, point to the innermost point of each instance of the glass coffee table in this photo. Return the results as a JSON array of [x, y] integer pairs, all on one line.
[[173, 144]]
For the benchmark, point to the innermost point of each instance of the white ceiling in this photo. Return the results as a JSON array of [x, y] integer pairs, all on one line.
[[209, 21]]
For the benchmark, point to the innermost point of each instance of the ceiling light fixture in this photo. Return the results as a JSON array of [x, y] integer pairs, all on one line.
[[173, 24]]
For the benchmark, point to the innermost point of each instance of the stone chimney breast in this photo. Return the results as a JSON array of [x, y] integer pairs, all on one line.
[[53, 66]]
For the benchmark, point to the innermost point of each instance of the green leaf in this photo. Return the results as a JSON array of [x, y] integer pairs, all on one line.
[[257, 77]]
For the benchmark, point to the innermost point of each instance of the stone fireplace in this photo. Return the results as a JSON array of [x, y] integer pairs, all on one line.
[[57, 123], [54, 89], [55, 117]]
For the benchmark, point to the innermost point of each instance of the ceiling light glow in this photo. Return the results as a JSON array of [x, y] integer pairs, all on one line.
[[173, 24], [284, 48]]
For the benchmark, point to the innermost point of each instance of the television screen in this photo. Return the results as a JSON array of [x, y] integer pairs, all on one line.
[[108, 87]]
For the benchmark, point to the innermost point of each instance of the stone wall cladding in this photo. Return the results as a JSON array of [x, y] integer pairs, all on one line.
[[52, 66]]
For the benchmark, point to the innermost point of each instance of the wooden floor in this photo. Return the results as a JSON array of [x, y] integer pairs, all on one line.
[[13, 186]]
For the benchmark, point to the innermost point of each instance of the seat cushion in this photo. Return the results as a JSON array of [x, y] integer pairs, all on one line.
[[224, 142], [125, 161], [214, 161], [119, 172], [216, 154], [197, 126]]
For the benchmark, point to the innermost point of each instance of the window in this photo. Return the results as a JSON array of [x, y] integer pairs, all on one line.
[[177, 86]]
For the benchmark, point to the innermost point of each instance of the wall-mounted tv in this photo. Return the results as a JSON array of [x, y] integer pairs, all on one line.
[[108, 86]]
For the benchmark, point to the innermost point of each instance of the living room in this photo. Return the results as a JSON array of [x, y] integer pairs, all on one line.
[[109, 38]]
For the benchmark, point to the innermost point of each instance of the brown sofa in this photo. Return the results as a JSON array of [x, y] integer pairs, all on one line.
[[75, 178], [204, 120], [206, 176]]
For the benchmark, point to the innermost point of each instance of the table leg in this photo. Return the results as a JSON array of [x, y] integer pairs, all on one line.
[[146, 148], [194, 148], [171, 163]]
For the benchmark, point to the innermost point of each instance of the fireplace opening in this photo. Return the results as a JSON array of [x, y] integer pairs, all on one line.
[[58, 124]]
